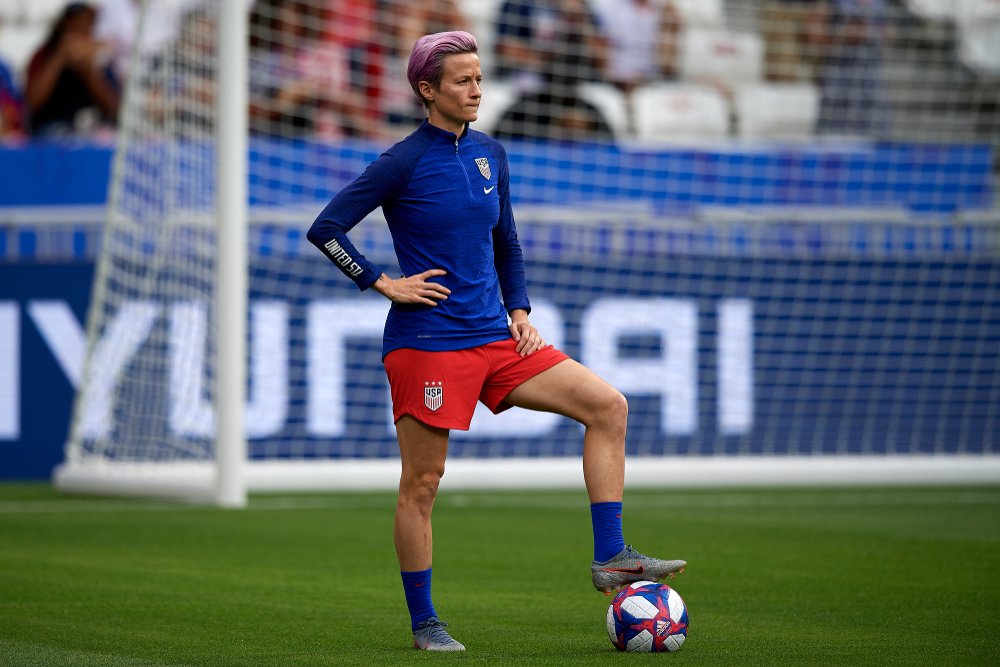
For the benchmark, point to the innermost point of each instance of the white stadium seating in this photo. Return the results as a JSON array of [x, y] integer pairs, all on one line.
[[703, 13], [10, 12], [971, 11], [18, 44], [721, 57], [979, 46], [978, 23], [776, 111], [611, 103], [680, 112], [979, 34], [25, 24], [44, 11], [933, 10]]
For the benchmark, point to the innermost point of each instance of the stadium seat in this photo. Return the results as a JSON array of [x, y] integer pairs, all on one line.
[[977, 10], [702, 13], [678, 112], [11, 11], [979, 34], [498, 96], [721, 57], [18, 44], [933, 10], [776, 110], [610, 102], [43, 12], [979, 46]]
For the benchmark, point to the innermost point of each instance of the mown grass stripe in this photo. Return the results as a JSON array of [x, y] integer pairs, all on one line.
[[519, 500]]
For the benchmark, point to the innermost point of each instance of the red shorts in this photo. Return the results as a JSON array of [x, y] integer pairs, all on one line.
[[441, 388]]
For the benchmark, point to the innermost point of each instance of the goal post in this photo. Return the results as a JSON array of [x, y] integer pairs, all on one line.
[[231, 299]]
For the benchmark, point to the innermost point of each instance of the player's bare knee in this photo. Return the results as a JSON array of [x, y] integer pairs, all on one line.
[[422, 481], [611, 412], [418, 492], [430, 481], [427, 485], [617, 411]]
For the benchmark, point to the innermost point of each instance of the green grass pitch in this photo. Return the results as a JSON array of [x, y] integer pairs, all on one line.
[[789, 577]]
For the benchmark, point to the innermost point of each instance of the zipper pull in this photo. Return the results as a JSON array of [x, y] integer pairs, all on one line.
[[456, 144]]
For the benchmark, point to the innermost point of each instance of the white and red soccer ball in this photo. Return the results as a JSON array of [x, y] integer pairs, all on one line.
[[647, 617]]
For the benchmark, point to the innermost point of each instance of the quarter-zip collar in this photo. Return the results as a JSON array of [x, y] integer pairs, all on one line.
[[437, 132]]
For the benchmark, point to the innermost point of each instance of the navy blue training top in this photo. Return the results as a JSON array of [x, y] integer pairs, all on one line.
[[447, 202]]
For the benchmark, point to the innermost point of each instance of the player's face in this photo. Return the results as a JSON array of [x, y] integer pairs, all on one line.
[[456, 100]]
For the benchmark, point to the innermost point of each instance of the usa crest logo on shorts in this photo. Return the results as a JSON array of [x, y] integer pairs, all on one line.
[[433, 396], [484, 167]]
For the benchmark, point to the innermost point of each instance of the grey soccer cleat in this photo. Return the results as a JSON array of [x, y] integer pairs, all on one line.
[[630, 566], [431, 636]]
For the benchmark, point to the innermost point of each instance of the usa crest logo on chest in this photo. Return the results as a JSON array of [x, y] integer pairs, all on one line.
[[484, 167], [433, 396]]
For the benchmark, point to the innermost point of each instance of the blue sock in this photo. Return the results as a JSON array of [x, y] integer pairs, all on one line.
[[608, 540], [417, 586]]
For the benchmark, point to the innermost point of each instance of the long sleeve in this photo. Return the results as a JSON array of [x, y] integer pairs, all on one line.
[[383, 180], [507, 257]]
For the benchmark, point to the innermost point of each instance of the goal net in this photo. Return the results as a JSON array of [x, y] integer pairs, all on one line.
[[772, 229]]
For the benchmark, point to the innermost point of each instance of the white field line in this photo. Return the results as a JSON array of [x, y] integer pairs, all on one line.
[[529, 501]]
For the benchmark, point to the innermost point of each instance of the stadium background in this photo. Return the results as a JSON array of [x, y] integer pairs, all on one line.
[[801, 224]]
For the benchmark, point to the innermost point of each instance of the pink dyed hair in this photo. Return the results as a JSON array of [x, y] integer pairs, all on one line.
[[427, 59]]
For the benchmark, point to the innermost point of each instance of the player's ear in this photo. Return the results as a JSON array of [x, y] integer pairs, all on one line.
[[427, 90]]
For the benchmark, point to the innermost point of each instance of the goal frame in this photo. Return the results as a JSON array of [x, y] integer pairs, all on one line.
[[223, 481], [226, 481]]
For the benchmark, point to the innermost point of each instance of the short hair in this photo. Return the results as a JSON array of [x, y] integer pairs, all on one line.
[[427, 59]]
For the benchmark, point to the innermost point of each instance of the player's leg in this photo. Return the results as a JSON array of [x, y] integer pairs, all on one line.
[[423, 450], [432, 392], [573, 390]]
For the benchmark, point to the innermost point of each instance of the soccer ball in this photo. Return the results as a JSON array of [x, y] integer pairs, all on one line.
[[648, 617]]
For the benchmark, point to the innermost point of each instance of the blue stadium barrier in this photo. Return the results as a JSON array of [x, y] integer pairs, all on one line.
[[673, 179]]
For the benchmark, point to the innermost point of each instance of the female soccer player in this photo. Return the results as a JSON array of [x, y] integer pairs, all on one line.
[[446, 197]]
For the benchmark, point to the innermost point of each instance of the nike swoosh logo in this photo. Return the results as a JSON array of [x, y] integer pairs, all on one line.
[[637, 570], [417, 585], [486, 192]]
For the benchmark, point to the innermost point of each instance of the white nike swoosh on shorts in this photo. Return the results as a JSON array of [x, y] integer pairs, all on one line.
[[486, 192]]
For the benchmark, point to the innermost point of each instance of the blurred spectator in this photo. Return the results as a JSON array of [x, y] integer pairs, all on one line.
[[442, 16], [118, 23], [11, 104], [353, 26], [854, 100], [405, 22], [193, 73], [299, 84], [548, 42], [547, 47], [642, 40], [788, 28], [546, 115], [69, 89]]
